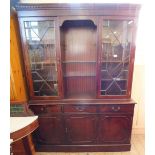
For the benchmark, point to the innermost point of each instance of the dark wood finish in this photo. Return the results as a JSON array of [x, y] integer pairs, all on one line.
[[27, 146], [78, 42], [116, 108], [84, 148], [23, 146], [24, 131], [105, 125], [32, 10], [46, 109], [81, 101], [27, 61], [115, 129], [132, 55], [51, 130], [80, 118], [81, 129], [18, 148], [80, 108], [22, 140]]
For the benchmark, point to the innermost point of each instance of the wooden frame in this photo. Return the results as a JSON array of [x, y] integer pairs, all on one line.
[[132, 56], [26, 58]]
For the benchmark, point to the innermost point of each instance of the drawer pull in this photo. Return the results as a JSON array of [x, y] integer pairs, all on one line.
[[80, 108], [43, 108], [116, 108]]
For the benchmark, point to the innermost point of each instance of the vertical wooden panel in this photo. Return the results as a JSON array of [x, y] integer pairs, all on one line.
[[17, 85]]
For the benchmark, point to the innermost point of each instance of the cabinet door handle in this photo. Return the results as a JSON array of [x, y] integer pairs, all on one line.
[[66, 130], [80, 108], [43, 109], [116, 108]]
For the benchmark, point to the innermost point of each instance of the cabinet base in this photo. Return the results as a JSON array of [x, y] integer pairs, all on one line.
[[83, 148]]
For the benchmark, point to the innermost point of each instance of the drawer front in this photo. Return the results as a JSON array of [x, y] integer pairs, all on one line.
[[45, 109], [80, 108], [116, 108]]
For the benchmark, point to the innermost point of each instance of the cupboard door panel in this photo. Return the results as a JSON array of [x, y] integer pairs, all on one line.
[[116, 57], [115, 129], [51, 130], [81, 129], [41, 56]]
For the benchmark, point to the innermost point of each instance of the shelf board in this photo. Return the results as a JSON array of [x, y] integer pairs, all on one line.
[[102, 70], [37, 44], [80, 96], [78, 75], [45, 80], [105, 90], [43, 62], [114, 61], [79, 62], [114, 79]]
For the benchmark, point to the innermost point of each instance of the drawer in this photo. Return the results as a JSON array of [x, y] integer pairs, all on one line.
[[116, 108], [80, 108], [44, 109]]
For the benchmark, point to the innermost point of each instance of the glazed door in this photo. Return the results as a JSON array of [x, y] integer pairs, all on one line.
[[81, 129], [115, 129], [116, 57], [51, 130], [41, 57]]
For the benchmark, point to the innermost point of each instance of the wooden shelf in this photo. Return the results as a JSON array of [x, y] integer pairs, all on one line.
[[79, 75], [105, 90], [79, 62], [114, 61], [43, 62], [113, 79], [103, 70], [80, 96], [45, 80], [37, 43]]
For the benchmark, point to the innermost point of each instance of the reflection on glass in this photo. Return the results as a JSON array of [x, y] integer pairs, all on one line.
[[116, 44], [40, 36]]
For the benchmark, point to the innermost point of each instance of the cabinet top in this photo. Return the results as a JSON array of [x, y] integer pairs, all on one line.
[[30, 6], [92, 8]]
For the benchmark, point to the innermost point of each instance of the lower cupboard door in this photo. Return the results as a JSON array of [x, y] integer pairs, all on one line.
[[51, 130], [115, 129], [81, 129]]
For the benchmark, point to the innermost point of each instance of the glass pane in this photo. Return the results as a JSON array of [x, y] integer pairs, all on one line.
[[115, 57], [40, 36]]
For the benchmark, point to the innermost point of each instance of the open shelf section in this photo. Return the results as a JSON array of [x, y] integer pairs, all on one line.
[[78, 51]]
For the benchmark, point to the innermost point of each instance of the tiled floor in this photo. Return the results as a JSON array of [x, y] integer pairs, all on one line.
[[136, 149]]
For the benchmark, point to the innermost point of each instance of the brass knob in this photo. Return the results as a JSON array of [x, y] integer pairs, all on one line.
[[116, 108]]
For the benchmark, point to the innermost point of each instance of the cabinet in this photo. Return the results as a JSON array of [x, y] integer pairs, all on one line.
[[17, 84], [79, 61], [115, 129], [81, 129], [51, 130]]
